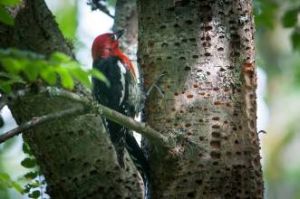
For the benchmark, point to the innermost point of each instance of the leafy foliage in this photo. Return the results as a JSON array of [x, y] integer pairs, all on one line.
[[36, 183], [295, 37], [9, 2], [66, 17], [290, 18], [28, 163], [26, 67], [283, 76], [265, 12], [5, 17], [7, 182]]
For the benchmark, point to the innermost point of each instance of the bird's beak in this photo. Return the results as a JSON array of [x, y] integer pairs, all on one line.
[[119, 33]]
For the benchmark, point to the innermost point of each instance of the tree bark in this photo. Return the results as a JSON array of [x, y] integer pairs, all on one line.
[[126, 18], [206, 50], [75, 154]]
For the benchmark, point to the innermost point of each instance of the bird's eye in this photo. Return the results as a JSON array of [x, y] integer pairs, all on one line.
[[113, 37]]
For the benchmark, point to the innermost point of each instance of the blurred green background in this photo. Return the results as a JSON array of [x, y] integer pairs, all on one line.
[[278, 61]]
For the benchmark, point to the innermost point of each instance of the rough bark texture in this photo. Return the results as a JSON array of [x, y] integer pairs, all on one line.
[[36, 30], [126, 18], [206, 50], [75, 154]]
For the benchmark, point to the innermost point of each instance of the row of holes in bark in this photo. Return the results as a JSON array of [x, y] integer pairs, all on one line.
[[189, 95], [152, 64], [176, 25], [206, 9], [178, 44], [233, 190], [180, 58], [234, 38], [71, 133], [94, 172], [217, 154]]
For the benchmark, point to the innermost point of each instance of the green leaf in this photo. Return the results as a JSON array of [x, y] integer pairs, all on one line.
[[290, 18], [32, 71], [81, 75], [17, 187], [10, 2], [66, 19], [12, 65], [5, 86], [58, 57], [4, 176], [49, 75], [265, 13], [31, 175], [26, 149], [66, 78], [295, 37], [97, 74], [34, 194], [5, 16], [7, 182], [28, 163], [20, 63]]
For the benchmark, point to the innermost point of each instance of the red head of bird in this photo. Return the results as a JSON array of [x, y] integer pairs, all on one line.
[[107, 45]]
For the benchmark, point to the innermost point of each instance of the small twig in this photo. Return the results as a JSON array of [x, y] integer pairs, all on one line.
[[35, 121], [96, 4], [262, 131]]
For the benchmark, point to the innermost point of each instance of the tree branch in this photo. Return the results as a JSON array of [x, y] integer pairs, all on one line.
[[141, 128], [41, 120], [100, 5], [87, 104]]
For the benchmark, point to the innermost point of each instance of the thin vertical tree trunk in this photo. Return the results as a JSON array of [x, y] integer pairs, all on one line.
[[206, 50], [126, 18]]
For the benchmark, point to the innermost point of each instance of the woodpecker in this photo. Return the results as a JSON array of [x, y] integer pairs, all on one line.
[[123, 95]]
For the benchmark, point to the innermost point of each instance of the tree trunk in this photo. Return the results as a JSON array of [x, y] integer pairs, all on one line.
[[206, 51], [75, 154], [126, 18]]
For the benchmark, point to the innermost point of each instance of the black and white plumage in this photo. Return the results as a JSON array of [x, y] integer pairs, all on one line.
[[123, 95]]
